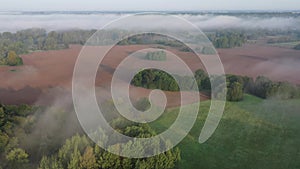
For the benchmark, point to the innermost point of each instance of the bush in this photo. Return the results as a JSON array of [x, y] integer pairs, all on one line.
[[13, 59], [235, 92]]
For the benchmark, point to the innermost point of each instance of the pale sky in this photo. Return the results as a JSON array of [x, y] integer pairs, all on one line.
[[149, 5]]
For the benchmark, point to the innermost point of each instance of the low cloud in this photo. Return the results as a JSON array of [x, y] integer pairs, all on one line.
[[61, 21]]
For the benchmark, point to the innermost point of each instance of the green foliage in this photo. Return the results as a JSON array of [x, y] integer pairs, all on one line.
[[155, 79], [265, 88], [151, 38], [12, 59], [79, 153], [12, 119], [17, 158], [235, 92], [28, 40], [4, 138], [262, 87], [88, 159], [235, 87], [202, 80], [69, 153], [227, 39]]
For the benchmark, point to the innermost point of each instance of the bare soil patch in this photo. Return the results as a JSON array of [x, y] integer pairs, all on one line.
[[48, 69]]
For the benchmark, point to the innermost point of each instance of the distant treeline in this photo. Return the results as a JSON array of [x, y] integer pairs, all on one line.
[[236, 85], [28, 40], [220, 39], [227, 39], [38, 39], [24, 41]]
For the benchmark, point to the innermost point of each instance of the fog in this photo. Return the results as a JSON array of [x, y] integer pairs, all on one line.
[[14, 21]]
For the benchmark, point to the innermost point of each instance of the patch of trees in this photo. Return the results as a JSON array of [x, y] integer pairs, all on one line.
[[265, 88], [11, 59], [262, 87], [227, 39], [151, 38], [27, 141], [157, 79], [156, 56], [79, 152], [28, 40], [236, 85], [220, 39], [13, 122]]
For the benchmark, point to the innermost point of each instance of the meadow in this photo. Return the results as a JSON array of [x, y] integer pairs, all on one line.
[[253, 133]]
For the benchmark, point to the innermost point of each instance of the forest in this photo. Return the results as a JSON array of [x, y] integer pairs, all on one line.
[[48, 150]]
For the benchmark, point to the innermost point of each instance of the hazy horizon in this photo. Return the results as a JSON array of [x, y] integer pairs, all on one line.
[[153, 5]]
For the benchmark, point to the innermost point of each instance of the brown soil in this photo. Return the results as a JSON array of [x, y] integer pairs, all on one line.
[[48, 69], [279, 64]]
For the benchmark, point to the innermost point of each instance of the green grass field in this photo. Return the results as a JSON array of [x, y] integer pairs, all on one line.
[[254, 134]]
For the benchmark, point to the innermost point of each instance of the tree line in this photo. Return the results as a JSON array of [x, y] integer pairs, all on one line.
[[28, 40], [236, 85], [24, 41], [227, 39], [79, 152]]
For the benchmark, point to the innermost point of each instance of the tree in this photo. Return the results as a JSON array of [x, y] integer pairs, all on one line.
[[13, 59], [50, 43], [17, 158], [202, 80], [235, 92], [50, 163], [2, 116], [3, 140], [88, 159], [261, 86], [96, 157], [75, 160]]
